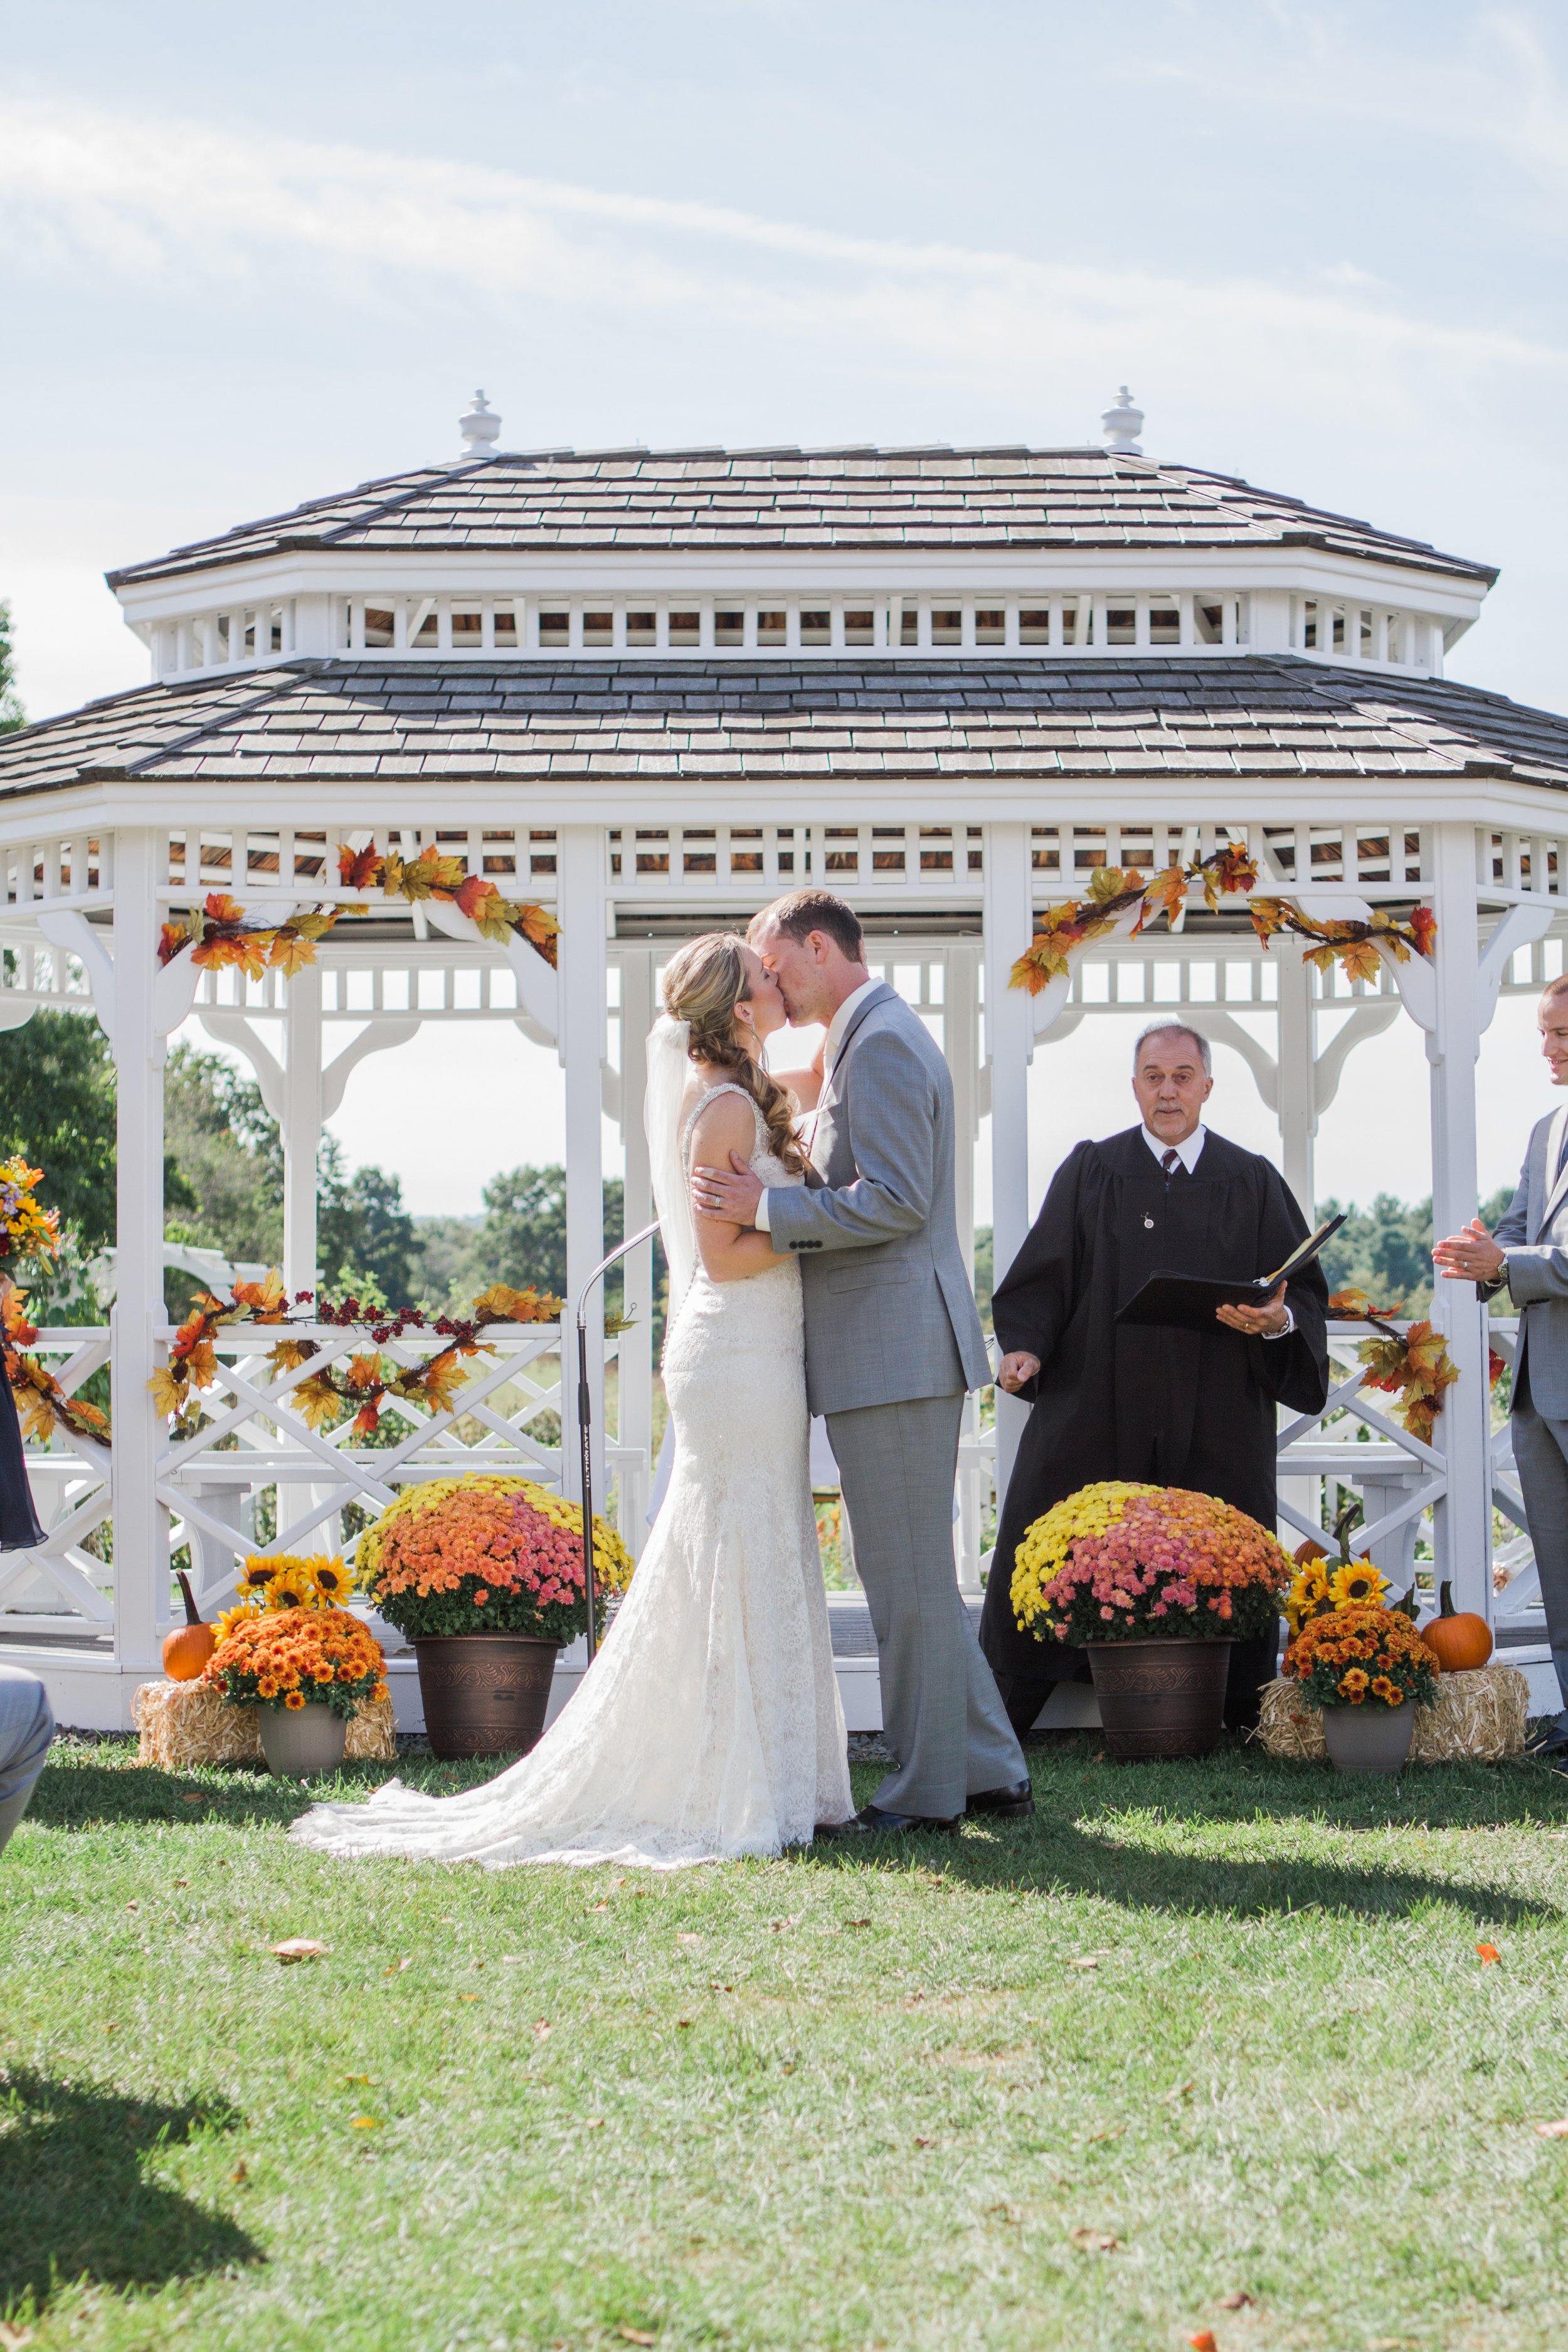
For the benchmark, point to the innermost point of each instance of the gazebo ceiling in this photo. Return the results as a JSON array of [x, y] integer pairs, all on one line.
[[793, 726], [879, 502]]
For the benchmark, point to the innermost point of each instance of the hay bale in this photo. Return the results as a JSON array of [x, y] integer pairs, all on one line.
[[1478, 1718], [184, 1724]]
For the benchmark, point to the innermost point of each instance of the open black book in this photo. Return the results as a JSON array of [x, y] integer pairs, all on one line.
[[1186, 1302]]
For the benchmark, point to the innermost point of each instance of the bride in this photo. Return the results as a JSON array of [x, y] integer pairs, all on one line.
[[710, 1724]]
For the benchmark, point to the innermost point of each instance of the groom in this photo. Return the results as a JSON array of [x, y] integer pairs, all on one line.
[[892, 1343]]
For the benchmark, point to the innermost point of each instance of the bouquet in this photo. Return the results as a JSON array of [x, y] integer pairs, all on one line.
[[298, 1657], [481, 1555], [1117, 1562], [1363, 1656], [1321, 1587], [26, 1229]]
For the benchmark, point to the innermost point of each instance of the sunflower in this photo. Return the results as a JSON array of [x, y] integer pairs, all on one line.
[[1356, 1585], [331, 1580], [289, 1590], [256, 1575]]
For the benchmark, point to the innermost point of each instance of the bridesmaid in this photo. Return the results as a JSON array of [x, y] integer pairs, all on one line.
[[19, 1529]]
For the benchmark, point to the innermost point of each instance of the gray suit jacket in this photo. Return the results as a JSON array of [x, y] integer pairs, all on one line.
[[1534, 1232], [890, 1313]]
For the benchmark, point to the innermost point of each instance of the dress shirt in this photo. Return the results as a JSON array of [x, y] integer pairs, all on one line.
[[1188, 1151], [835, 1028]]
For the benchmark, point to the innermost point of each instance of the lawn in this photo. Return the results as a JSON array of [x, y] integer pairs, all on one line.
[[1197, 2032]]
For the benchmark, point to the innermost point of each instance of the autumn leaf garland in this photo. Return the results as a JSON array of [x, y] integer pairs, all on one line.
[[433, 875], [1414, 1366], [219, 937], [1113, 890]]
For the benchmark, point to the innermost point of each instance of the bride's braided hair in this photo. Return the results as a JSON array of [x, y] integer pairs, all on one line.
[[703, 983]]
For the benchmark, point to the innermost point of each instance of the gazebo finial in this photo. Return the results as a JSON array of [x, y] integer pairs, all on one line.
[[1123, 422], [480, 428]]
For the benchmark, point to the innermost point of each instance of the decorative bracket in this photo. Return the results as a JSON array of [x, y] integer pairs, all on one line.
[[538, 987], [67, 928], [1521, 927]]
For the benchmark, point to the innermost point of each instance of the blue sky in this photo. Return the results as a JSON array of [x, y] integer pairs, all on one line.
[[254, 256]]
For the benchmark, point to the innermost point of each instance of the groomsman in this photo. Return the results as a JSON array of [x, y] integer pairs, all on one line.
[[1528, 1257], [1163, 1407]]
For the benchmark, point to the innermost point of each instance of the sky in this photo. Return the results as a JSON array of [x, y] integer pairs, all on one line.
[[247, 260]]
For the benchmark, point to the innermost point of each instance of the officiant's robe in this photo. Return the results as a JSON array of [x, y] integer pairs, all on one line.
[[1165, 1407]]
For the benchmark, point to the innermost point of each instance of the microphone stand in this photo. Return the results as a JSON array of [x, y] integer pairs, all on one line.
[[585, 1429]]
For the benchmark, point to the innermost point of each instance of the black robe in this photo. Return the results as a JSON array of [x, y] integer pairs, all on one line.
[[1169, 1408]]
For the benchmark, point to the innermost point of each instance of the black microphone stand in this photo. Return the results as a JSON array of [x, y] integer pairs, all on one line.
[[585, 1429]]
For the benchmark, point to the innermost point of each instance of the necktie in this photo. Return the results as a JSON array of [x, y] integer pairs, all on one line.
[[1168, 1162]]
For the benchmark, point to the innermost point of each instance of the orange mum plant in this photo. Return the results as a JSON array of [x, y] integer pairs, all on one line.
[[492, 1555], [299, 1657], [1113, 892], [1369, 1657]]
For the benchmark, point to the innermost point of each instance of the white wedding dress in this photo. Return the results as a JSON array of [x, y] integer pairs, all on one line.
[[710, 1724]]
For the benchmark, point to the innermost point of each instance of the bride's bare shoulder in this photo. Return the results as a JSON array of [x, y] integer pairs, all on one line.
[[726, 1123]]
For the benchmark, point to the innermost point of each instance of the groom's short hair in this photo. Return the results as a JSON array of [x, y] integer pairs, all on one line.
[[800, 912]]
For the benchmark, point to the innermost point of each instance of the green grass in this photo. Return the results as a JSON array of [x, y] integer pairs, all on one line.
[[836, 2101]]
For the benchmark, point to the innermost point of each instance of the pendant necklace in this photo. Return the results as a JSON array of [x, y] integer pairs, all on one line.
[[1149, 1224]]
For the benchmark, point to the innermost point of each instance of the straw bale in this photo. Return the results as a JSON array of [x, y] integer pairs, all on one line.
[[1478, 1718], [184, 1724]]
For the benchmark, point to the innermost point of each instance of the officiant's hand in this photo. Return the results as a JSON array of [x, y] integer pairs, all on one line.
[[731, 1193], [1257, 1322], [1017, 1371], [1471, 1256]]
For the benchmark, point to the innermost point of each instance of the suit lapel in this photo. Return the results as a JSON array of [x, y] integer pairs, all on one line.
[[1554, 1186], [868, 1004]]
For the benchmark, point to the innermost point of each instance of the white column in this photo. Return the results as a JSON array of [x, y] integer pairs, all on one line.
[[1298, 1111], [581, 909], [301, 1126], [1463, 1522], [636, 1418], [1009, 925], [141, 1525]]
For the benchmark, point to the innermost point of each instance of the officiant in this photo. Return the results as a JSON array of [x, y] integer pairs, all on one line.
[[1161, 1407]]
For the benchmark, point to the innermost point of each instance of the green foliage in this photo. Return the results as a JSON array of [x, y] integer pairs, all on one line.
[[12, 714], [56, 1105], [1386, 1250], [227, 1157], [365, 1243], [522, 1239]]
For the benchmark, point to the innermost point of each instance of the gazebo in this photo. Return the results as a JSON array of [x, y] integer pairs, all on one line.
[[634, 694]]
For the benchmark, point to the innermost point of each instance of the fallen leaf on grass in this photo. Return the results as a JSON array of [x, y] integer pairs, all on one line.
[[925, 2143], [468, 1996], [13, 2338], [597, 1907], [398, 1968], [133, 1904], [594, 2123], [1203, 2341], [240, 2176], [1117, 2132], [636, 2335], [192, 1801], [299, 1948], [1084, 1964], [690, 1941], [856, 1923], [1488, 1953], [682, 2024], [1236, 2301], [778, 1926], [541, 2029], [364, 2123], [182, 1882], [1553, 2131], [1095, 2241]]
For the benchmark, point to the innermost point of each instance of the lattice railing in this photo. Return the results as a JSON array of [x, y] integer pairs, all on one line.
[[63, 1582]]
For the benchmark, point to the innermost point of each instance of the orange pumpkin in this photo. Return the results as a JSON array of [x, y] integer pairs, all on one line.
[[1310, 1550], [187, 1649], [1457, 1638]]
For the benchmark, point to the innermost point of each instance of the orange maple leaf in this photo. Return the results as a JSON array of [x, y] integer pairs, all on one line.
[[540, 930], [170, 939], [472, 891], [364, 1373], [220, 907], [367, 1420], [1423, 923], [358, 869]]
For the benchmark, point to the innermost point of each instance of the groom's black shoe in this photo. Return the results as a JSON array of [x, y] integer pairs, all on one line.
[[882, 1824], [835, 1829], [1011, 1802]]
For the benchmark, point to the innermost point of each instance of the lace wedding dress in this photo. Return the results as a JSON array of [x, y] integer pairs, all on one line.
[[710, 1725]]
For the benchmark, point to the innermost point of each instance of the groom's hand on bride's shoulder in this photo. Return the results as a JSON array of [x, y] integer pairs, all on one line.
[[729, 1193]]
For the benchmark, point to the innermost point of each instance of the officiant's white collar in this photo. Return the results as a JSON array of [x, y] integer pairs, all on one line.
[[841, 1020], [1189, 1150]]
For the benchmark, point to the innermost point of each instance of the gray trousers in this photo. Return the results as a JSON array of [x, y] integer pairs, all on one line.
[[26, 1728], [1541, 1451], [943, 1714]]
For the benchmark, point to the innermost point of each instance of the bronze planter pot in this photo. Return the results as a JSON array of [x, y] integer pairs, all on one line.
[[484, 1694], [1160, 1699]]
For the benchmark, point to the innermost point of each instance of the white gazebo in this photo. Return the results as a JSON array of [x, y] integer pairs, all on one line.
[[646, 691]]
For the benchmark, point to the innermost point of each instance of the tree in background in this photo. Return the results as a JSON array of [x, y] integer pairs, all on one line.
[[522, 1239], [227, 1159], [57, 1107], [12, 714], [1386, 1250], [366, 1246]]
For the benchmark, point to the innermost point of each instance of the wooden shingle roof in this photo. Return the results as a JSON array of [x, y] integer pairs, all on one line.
[[687, 722], [842, 501]]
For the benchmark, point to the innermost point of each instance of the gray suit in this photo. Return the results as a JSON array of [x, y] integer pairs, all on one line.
[[1534, 1233], [892, 1342]]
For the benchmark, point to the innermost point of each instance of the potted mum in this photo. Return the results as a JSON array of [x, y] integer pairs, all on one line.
[[484, 1576], [1369, 1670], [306, 1672], [1155, 1582]]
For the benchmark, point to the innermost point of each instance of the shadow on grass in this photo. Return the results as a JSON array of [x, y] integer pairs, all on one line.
[[77, 1790], [1087, 1836], [76, 2203]]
